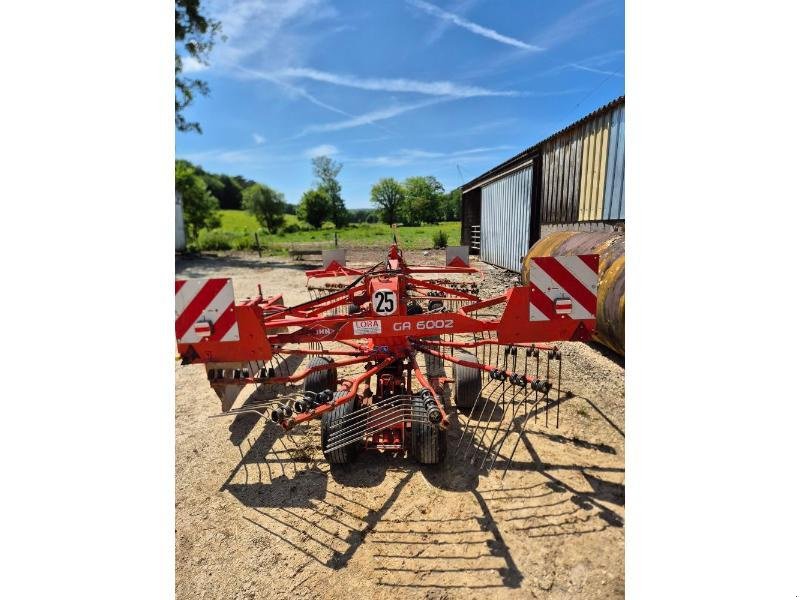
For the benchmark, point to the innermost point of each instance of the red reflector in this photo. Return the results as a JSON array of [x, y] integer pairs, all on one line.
[[563, 306], [203, 328]]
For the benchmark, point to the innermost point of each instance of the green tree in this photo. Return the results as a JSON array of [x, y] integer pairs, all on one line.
[[326, 170], [265, 204], [199, 205], [194, 39], [314, 208], [388, 194], [451, 206], [422, 200]]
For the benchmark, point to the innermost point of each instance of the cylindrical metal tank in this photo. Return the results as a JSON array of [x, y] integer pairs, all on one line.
[[611, 287]]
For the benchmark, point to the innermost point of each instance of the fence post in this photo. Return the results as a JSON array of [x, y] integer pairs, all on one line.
[[335, 239], [258, 244]]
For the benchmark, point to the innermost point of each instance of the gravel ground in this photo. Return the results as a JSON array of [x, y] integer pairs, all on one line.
[[259, 514]]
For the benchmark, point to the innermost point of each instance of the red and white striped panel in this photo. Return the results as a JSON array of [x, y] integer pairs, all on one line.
[[204, 310], [563, 287]]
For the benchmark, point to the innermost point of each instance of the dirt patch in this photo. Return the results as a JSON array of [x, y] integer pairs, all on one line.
[[260, 514]]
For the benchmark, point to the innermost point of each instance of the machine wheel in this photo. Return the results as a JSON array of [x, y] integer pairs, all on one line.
[[434, 366], [428, 441], [467, 382], [320, 380], [329, 425]]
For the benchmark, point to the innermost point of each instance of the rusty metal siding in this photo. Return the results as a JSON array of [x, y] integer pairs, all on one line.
[[614, 206], [505, 219], [561, 165]]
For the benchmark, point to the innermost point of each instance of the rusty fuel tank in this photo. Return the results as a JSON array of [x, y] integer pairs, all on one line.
[[611, 288]]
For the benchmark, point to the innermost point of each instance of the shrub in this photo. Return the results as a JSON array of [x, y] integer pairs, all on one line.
[[440, 239], [216, 239], [290, 228], [244, 242]]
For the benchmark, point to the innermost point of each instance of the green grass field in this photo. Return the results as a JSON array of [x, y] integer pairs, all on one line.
[[238, 229]]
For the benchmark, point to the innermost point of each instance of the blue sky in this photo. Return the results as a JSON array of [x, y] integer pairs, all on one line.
[[394, 88]]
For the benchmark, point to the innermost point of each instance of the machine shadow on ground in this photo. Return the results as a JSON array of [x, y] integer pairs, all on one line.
[[328, 514]]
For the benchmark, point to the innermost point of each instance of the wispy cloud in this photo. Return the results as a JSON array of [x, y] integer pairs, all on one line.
[[412, 156], [259, 139], [321, 150], [593, 70], [431, 88], [470, 26], [370, 118], [576, 22], [259, 29]]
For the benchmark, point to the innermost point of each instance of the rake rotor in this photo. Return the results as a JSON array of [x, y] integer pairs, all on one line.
[[363, 339]]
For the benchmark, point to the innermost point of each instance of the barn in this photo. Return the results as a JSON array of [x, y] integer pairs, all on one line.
[[572, 180]]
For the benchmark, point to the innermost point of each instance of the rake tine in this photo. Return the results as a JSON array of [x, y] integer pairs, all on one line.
[[519, 437], [546, 397], [513, 413], [339, 433], [558, 388], [469, 418], [494, 408], [491, 445], [510, 426], [505, 408], [477, 425], [536, 396]]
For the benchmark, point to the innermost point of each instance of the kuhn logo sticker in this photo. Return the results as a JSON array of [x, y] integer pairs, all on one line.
[[323, 331], [366, 327]]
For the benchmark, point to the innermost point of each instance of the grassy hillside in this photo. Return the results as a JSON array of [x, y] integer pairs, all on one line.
[[238, 229]]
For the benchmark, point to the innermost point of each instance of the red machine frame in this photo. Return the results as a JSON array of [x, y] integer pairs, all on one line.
[[385, 329]]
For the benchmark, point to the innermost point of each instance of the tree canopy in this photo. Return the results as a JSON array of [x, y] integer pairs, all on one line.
[[199, 204], [314, 208], [422, 200], [266, 205], [389, 195], [326, 170], [194, 39]]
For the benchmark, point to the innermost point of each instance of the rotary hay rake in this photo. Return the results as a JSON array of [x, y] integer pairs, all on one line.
[[383, 319]]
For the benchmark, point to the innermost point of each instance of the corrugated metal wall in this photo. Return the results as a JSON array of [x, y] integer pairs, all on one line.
[[505, 219], [614, 207], [561, 165], [583, 172]]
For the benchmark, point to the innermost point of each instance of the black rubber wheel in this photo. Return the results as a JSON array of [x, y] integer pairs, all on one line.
[[428, 441], [320, 380], [434, 366], [466, 382], [330, 425]]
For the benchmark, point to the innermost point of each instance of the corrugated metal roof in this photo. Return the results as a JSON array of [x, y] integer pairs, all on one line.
[[530, 152]]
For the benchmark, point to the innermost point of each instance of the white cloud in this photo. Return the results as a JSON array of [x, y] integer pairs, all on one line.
[[470, 26], [259, 139], [192, 65], [431, 88], [322, 150]]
